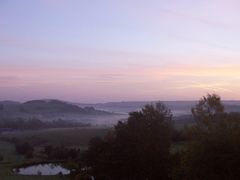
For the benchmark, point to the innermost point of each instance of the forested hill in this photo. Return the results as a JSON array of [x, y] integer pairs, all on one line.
[[45, 109]]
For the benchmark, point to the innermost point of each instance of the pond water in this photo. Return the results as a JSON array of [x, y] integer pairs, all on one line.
[[43, 169]]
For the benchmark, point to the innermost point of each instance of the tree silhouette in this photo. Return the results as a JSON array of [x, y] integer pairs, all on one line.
[[212, 151], [208, 107], [136, 149]]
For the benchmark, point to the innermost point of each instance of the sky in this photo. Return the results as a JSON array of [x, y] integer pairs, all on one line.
[[119, 50]]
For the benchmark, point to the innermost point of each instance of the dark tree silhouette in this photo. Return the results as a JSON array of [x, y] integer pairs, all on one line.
[[208, 107], [214, 145], [24, 149], [136, 149]]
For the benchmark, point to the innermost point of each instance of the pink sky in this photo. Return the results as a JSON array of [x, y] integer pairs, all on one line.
[[115, 84], [119, 50]]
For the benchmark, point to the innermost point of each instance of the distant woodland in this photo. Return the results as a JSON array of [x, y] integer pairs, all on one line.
[[150, 144]]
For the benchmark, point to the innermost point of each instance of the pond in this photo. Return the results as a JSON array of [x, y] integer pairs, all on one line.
[[42, 169]]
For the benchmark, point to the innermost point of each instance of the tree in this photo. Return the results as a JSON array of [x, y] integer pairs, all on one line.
[[24, 149], [213, 147], [208, 107], [48, 151], [136, 149]]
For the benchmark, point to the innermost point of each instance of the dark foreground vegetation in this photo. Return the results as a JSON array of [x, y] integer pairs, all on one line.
[[148, 145], [144, 147]]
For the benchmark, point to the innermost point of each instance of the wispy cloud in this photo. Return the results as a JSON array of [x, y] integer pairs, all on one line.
[[208, 86], [145, 80]]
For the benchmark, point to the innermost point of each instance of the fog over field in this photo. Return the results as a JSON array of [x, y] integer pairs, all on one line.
[[119, 90], [96, 114]]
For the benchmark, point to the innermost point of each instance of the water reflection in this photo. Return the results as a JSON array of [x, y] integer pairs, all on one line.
[[43, 169]]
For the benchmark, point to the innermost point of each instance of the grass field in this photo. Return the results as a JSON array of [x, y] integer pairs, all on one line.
[[70, 137], [11, 159]]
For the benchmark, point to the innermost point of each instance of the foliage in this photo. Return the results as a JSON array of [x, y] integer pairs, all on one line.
[[61, 153], [136, 149], [24, 149], [12, 159], [213, 145], [208, 107]]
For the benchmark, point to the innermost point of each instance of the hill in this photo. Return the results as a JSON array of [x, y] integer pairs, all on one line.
[[48, 110]]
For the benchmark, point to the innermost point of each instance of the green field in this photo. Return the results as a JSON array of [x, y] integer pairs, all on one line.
[[68, 137], [11, 159]]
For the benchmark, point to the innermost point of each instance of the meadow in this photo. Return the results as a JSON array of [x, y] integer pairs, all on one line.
[[66, 137], [71, 137], [11, 159]]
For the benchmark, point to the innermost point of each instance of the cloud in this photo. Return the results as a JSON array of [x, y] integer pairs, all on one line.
[[208, 86], [31, 51], [130, 83], [120, 74]]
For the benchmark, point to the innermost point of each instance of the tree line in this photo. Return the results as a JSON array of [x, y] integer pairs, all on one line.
[[35, 123], [143, 147]]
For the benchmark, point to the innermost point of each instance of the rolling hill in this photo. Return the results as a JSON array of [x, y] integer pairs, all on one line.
[[49, 110]]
